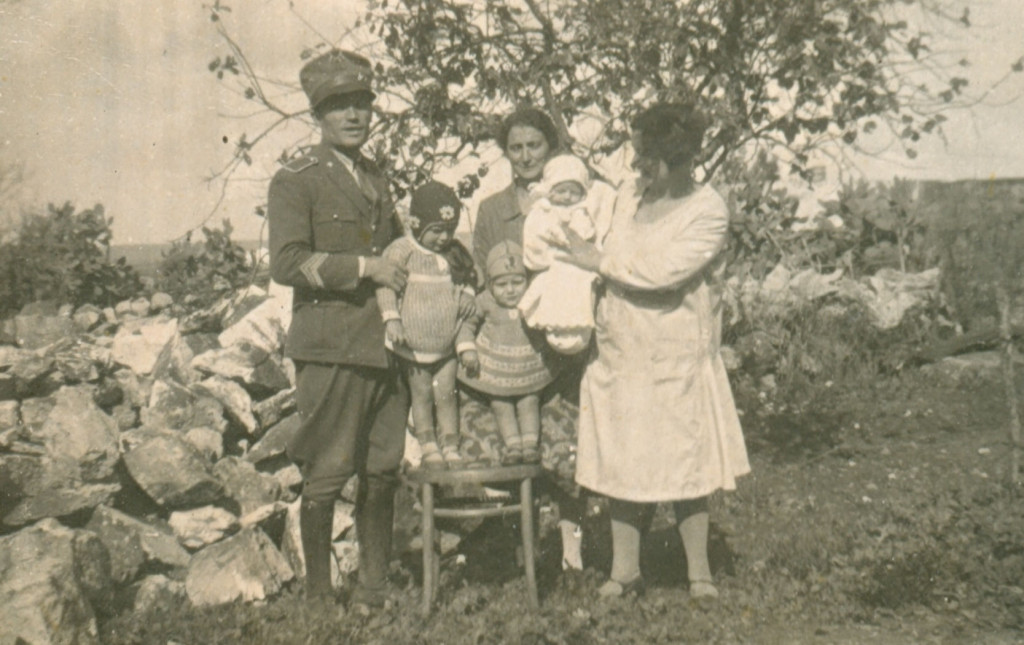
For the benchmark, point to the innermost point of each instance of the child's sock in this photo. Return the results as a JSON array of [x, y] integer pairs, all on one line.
[[450, 447], [531, 448]]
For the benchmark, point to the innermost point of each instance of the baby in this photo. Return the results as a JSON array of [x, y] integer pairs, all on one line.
[[509, 364], [421, 323], [560, 299]]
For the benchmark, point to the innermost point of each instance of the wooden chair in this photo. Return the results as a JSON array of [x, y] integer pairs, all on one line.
[[427, 479]]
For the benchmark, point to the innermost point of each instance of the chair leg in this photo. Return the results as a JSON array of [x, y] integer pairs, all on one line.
[[526, 502], [429, 567]]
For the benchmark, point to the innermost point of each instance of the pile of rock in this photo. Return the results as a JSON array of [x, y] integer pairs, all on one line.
[[142, 460]]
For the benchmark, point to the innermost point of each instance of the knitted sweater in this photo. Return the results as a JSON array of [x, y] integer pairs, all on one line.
[[512, 359], [428, 306]]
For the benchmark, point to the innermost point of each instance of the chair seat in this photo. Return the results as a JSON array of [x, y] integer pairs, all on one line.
[[490, 475]]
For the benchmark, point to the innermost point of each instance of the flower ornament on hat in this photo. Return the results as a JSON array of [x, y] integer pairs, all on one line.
[[433, 204], [562, 168], [336, 72], [506, 258]]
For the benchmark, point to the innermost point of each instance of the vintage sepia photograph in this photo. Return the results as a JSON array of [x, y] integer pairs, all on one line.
[[532, 322]]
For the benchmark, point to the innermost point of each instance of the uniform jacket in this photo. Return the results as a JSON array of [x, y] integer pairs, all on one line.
[[320, 223]]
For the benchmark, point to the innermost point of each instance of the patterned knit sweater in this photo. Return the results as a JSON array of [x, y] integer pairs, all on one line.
[[428, 306], [512, 359]]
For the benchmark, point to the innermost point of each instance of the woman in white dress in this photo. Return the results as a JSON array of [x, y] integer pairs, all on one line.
[[657, 418]]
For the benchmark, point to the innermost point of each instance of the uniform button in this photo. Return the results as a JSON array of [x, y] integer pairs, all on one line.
[[335, 216], [316, 301], [330, 164], [376, 249]]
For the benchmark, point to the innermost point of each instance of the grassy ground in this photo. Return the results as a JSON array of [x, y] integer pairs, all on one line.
[[881, 514]]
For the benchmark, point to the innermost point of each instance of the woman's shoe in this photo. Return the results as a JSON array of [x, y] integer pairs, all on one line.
[[616, 589], [703, 592]]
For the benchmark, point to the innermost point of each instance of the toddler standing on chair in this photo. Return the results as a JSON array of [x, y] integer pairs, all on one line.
[[422, 321]]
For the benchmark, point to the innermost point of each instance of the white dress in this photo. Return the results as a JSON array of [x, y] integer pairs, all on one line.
[[657, 417]]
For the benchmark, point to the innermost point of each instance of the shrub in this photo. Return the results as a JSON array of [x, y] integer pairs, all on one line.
[[197, 275], [63, 256]]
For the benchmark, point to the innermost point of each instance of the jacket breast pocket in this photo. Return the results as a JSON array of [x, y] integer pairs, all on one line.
[[338, 231]]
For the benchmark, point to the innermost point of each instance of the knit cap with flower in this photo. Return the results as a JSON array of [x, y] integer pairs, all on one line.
[[564, 168], [432, 204]]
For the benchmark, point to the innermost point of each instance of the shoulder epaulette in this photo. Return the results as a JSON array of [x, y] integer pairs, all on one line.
[[300, 164]]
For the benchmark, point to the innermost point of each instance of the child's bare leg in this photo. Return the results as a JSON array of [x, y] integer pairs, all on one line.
[[505, 415], [528, 413], [421, 395], [446, 404]]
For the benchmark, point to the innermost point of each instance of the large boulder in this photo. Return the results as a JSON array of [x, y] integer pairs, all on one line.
[[275, 441], [175, 362], [158, 592], [261, 372], [236, 401], [135, 390], [246, 566], [52, 496], [139, 343], [77, 431], [262, 325], [52, 580], [248, 488], [133, 543], [172, 405], [197, 527], [34, 375], [274, 408], [171, 472]]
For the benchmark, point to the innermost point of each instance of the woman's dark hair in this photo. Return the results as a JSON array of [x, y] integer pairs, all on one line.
[[671, 132], [461, 264], [530, 117]]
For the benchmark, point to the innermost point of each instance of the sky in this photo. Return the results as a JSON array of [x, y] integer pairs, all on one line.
[[112, 102]]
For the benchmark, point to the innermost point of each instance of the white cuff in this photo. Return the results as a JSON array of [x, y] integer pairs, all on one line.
[[362, 267], [468, 346], [388, 316]]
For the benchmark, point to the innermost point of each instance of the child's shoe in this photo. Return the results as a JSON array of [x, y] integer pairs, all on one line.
[[513, 456], [531, 455], [432, 458], [452, 458]]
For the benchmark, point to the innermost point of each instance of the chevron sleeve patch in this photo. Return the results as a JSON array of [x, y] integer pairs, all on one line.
[[311, 269]]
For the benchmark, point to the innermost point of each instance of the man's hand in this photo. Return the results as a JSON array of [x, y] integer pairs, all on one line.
[[395, 331], [470, 362], [385, 273]]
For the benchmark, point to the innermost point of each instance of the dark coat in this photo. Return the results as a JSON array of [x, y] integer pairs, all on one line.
[[499, 219], [320, 223]]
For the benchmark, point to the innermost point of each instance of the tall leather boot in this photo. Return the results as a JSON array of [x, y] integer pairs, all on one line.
[[374, 528], [315, 520]]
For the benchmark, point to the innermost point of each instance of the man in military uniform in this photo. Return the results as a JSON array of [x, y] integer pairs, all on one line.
[[330, 217]]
